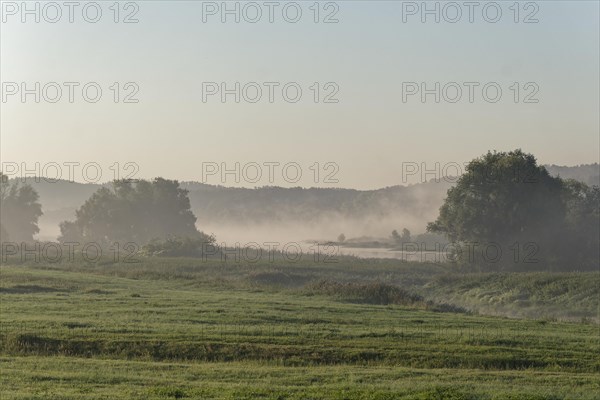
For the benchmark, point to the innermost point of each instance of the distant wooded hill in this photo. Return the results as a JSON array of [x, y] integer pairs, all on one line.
[[587, 173]]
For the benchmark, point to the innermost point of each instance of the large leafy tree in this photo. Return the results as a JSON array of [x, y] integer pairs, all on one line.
[[583, 223], [507, 200], [133, 212], [19, 211]]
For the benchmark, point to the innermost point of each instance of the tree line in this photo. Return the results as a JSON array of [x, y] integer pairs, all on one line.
[[504, 198]]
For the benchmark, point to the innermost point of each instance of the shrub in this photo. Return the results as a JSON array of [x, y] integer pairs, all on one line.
[[176, 246]]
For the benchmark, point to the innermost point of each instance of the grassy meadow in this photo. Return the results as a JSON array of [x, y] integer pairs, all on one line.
[[355, 329]]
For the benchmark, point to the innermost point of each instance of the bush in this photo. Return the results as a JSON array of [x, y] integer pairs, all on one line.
[[370, 293], [176, 246]]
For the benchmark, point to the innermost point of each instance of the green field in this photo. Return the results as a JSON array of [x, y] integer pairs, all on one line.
[[357, 329]]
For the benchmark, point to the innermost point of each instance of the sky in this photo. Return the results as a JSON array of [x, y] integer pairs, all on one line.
[[359, 122]]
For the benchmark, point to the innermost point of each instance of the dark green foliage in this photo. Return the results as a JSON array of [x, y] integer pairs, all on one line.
[[19, 211], [582, 236], [133, 212], [508, 202]]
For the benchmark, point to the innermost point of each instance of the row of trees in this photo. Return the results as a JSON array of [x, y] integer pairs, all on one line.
[[155, 215], [504, 198]]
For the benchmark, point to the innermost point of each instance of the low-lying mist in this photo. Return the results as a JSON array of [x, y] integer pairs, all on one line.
[[274, 214], [326, 228]]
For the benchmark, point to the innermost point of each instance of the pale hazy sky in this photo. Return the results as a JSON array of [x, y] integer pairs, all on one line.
[[368, 54]]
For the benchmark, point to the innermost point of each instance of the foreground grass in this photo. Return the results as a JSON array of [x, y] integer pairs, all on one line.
[[555, 296], [76, 378], [165, 330]]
